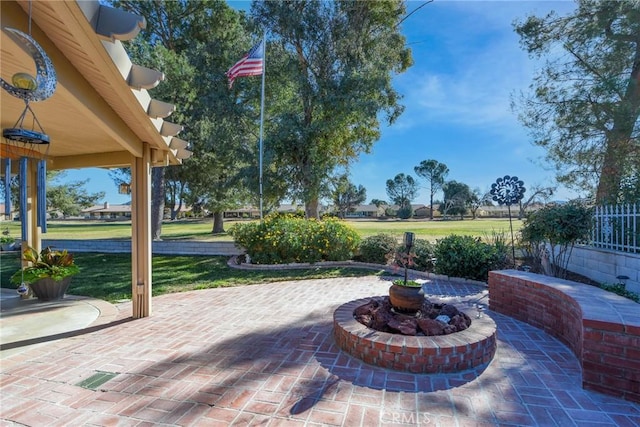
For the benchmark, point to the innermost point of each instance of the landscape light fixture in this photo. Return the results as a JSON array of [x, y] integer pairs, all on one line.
[[408, 240], [622, 279]]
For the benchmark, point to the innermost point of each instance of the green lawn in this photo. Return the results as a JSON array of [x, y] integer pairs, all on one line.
[[199, 229], [108, 276], [437, 229]]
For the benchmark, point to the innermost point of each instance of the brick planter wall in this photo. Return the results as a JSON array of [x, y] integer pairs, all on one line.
[[417, 354], [601, 328]]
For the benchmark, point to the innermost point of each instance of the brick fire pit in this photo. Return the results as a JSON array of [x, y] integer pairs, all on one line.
[[417, 354]]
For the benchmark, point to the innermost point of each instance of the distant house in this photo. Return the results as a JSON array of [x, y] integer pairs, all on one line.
[[503, 211], [107, 211], [13, 213], [252, 212], [417, 209], [247, 212], [422, 212], [366, 211]]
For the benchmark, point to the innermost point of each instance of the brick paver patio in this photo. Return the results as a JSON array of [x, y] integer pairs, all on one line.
[[264, 355]]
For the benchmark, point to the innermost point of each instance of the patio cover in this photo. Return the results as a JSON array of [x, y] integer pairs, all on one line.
[[100, 114]]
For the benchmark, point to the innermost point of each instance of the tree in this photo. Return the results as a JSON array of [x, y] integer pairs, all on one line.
[[194, 43], [477, 199], [337, 59], [631, 186], [402, 190], [346, 196], [214, 178], [69, 198], [585, 103], [551, 233], [435, 173], [456, 198], [176, 188], [378, 202], [538, 193]]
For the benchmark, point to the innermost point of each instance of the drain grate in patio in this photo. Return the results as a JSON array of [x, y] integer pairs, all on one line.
[[96, 380]]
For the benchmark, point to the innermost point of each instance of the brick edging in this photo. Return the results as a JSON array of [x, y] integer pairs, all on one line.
[[455, 352], [414, 274]]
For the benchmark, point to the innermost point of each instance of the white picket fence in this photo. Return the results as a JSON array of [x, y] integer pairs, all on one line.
[[617, 228]]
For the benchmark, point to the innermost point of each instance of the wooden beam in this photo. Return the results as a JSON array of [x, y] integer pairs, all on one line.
[[14, 152], [116, 159], [141, 234]]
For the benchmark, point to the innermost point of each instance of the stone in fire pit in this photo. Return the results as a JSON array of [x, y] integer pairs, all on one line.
[[431, 319]]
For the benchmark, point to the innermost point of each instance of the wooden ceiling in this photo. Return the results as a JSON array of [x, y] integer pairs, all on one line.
[[93, 119]]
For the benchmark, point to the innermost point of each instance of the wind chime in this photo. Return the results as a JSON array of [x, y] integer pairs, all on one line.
[[23, 143]]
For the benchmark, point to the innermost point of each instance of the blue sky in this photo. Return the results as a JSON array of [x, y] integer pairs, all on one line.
[[467, 64]]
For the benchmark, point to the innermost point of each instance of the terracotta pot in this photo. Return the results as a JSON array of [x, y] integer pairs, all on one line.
[[48, 289], [406, 298]]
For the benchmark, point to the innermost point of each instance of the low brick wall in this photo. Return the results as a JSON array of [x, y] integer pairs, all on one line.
[[417, 354], [601, 328]]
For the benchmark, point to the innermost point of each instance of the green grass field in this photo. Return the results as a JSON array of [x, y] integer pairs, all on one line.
[[199, 229], [108, 276]]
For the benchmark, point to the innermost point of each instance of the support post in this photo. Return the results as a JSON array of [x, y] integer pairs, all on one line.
[[141, 234], [34, 235]]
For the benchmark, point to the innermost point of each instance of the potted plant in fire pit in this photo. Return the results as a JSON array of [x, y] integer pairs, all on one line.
[[48, 274], [406, 295]]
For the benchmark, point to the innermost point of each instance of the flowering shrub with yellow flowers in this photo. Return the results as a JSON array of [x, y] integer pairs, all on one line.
[[283, 239]]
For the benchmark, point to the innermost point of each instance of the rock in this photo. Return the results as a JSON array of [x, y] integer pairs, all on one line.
[[448, 329], [381, 318], [377, 314], [366, 319], [461, 321], [367, 308], [431, 326], [405, 327], [449, 310]]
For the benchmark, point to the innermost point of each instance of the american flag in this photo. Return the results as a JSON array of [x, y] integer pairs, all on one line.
[[250, 65]]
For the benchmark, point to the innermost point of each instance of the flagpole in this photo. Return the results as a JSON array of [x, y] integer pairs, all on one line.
[[264, 71]]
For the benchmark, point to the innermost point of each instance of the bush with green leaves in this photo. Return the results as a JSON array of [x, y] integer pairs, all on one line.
[[424, 252], [620, 289], [377, 249], [468, 257], [282, 239], [405, 212], [556, 228]]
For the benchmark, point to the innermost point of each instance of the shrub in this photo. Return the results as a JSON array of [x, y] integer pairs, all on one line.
[[377, 249], [424, 252], [619, 289], [468, 257], [282, 239], [405, 212], [556, 228]]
